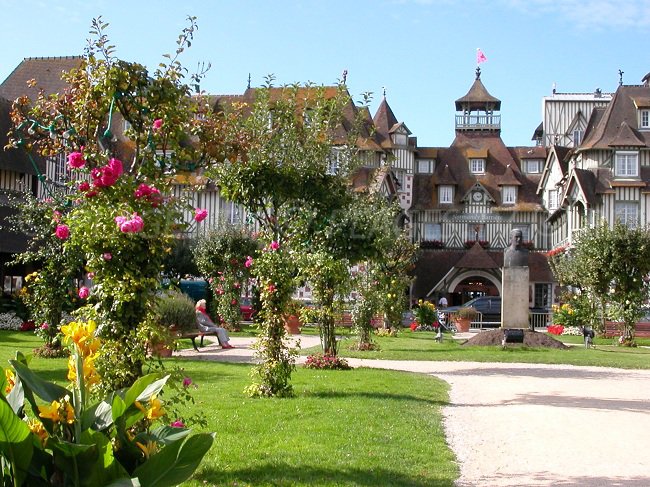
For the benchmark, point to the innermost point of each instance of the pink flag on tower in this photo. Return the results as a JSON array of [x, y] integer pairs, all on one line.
[[480, 57]]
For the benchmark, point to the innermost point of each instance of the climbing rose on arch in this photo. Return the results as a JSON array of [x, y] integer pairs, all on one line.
[[200, 214], [62, 232], [76, 160]]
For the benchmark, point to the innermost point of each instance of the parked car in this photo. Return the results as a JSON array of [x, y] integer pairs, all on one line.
[[488, 306], [246, 309]]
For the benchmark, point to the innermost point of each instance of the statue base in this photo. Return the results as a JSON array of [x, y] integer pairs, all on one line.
[[514, 297]]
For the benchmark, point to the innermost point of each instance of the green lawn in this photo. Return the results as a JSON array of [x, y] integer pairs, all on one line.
[[359, 427], [410, 345]]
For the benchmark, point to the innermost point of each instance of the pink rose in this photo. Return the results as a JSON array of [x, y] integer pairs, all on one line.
[[84, 292], [187, 381], [91, 275], [107, 256], [178, 424], [62, 232], [249, 261], [45, 326], [274, 245], [56, 216], [84, 186], [157, 124], [270, 288], [200, 214], [76, 160]]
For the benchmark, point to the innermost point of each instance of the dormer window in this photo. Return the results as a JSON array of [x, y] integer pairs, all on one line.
[[626, 164], [477, 166], [425, 166], [532, 166], [509, 195], [446, 194], [644, 119], [400, 139]]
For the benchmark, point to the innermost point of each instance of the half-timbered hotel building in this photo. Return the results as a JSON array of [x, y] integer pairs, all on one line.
[[590, 160]]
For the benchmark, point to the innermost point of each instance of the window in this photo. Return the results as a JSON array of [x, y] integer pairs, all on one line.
[[61, 172], [542, 295], [432, 231], [627, 213], [644, 119], [446, 194], [509, 195], [399, 175], [399, 139], [577, 137], [532, 166], [425, 166], [334, 162], [476, 231], [477, 166], [553, 199], [627, 164]]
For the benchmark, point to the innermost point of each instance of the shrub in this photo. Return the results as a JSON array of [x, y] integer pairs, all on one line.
[[325, 361], [175, 308]]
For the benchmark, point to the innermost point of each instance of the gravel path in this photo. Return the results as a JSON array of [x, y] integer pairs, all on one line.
[[531, 424]]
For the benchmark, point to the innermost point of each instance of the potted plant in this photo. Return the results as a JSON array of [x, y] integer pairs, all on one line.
[[292, 318], [464, 318], [174, 314]]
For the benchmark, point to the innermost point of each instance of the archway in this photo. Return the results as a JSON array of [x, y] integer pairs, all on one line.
[[473, 284]]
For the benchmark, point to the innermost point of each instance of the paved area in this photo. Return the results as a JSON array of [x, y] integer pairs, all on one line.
[[530, 424]]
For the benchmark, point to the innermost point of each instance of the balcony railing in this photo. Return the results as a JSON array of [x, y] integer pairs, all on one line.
[[478, 122]]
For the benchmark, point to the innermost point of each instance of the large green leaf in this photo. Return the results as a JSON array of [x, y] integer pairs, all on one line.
[[45, 390], [16, 398], [16, 443], [168, 434], [98, 417], [175, 463], [153, 388]]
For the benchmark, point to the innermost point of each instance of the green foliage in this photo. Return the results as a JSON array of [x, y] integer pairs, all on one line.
[[51, 289], [225, 257], [611, 266], [121, 218], [425, 313], [176, 309], [63, 438]]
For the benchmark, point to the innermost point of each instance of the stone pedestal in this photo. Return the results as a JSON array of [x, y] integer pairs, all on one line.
[[514, 297]]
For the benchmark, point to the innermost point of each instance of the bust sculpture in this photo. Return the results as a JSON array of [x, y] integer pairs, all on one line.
[[515, 255]]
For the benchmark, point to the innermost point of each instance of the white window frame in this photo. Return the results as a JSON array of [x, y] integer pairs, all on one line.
[[477, 166], [627, 212], [425, 166], [626, 164], [577, 137], [509, 195], [553, 199], [400, 139], [482, 231], [644, 119], [432, 232], [445, 194], [533, 166]]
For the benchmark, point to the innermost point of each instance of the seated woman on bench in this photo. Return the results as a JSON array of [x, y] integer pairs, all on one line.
[[205, 324]]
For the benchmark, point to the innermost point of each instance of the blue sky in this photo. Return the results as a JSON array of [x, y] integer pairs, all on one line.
[[422, 51]]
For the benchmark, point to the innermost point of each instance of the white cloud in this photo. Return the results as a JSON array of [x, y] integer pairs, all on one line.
[[590, 13]]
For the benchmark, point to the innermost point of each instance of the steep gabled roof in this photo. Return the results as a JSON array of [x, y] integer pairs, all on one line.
[[476, 258], [45, 70], [386, 123], [606, 127], [558, 155]]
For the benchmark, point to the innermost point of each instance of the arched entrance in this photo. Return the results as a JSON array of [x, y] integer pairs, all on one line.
[[471, 285]]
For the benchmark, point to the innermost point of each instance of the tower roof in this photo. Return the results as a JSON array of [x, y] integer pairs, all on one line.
[[478, 97]]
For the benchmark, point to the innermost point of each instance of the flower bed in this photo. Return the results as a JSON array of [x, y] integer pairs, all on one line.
[[320, 361], [9, 321]]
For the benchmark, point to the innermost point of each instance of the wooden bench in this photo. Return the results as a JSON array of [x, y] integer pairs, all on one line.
[[612, 329], [345, 319], [193, 335]]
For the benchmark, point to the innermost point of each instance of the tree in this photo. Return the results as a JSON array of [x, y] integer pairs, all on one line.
[[225, 257], [279, 168], [121, 215], [610, 265]]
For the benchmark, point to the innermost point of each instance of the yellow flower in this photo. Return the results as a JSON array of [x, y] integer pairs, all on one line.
[[83, 335], [36, 427], [91, 376], [154, 411], [58, 411], [11, 380], [51, 411], [149, 449]]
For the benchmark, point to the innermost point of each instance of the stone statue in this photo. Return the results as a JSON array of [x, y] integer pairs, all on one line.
[[515, 255]]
